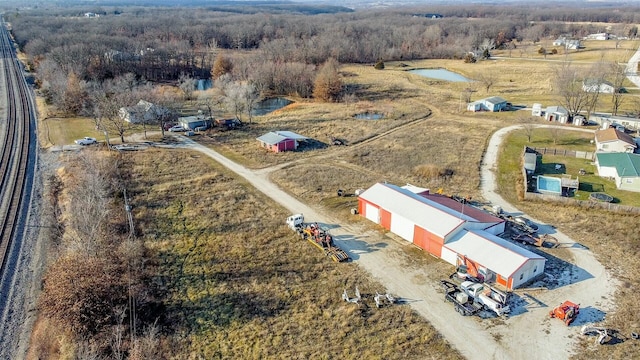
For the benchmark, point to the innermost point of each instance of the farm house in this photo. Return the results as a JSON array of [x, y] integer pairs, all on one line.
[[278, 141], [450, 230]]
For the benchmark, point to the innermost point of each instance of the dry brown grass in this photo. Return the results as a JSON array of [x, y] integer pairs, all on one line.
[[239, 284]]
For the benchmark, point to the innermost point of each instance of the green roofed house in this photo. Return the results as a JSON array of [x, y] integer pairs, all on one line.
[[624, 168]]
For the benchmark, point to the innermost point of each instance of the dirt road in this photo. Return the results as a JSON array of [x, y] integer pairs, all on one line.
[[517, 338]]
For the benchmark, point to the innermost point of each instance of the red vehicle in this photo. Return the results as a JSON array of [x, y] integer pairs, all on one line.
[[567, 312]]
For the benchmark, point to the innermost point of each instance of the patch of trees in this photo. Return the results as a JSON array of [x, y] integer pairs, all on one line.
[[96, 291]]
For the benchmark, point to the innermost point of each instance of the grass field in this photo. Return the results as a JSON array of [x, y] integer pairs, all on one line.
[[239, 284]]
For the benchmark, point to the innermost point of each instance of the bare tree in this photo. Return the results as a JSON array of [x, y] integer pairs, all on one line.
[[528, 126], [568, 86], [107, 101], [487, 79], [117, 339], [554, 132], [251, 97], [188, 85], [593, 85], [618, 77], [234, 99], [90, 212]]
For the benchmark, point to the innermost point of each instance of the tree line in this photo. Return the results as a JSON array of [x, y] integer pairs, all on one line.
[[160, 44], [272, 52]]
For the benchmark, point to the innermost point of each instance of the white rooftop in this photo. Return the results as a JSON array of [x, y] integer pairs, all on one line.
[[490, 251], [415, 208]]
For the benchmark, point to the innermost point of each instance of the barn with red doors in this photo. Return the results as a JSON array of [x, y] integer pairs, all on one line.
[[451, 231], [278, 141]]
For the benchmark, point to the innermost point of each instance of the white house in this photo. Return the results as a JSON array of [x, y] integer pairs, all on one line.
[[598, 36], [612, 140], [143, 111], [494, 103], [567, 43], [450, 230], [605, 120], [599, 86]]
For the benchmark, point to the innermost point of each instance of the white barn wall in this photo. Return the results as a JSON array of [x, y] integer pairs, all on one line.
[[372, 213], [449, 256], [402, 227], [527, 272]]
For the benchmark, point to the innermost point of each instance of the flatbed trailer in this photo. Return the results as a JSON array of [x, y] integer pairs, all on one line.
[[320, 238]]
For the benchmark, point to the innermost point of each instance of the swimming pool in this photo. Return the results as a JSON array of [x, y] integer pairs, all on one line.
[[549, 185]]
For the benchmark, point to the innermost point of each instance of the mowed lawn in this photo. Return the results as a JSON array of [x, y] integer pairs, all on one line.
[[511, 163], [237, 283]]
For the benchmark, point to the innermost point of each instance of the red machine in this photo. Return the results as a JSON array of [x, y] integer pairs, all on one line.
[[567, 312]]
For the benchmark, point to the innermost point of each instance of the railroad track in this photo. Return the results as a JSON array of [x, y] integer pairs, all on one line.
[[15, 144]]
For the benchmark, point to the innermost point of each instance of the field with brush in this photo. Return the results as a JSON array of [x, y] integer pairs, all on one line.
[[237, 283]]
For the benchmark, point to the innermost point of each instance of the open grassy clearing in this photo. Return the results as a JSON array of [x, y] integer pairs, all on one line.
[[395, 97], [594, 50], [238, 283], [453, 145]]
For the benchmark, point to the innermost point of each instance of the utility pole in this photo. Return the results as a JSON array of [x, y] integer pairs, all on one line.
[[132, 301]]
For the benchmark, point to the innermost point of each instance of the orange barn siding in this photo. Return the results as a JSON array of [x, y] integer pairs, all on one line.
[[427, 241], [362, 208], [500, 280], [385, 219]]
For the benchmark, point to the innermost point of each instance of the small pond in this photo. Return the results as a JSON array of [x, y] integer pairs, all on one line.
[[203, 84], [440, 74], [268, 105], [368, 116]]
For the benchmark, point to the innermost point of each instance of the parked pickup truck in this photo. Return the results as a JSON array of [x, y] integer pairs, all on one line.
[[483, 296]]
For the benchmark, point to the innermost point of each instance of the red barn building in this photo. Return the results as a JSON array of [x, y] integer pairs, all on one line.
[[451, 231], [278, 141]]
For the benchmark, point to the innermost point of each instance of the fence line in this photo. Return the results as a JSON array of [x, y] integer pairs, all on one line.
[[583, 203], [564, 152]]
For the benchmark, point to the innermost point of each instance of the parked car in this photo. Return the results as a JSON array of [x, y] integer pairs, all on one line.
[[177, 128], [169, 125], [86, 141]]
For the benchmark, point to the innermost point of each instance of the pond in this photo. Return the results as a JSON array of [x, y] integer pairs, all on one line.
[[440, 74], [203, 84], [368, 116], [268, 105]]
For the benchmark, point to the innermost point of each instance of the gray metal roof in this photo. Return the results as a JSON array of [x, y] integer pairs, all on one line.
[[291, 135], [271, 138], [530, 160], [495, 100]]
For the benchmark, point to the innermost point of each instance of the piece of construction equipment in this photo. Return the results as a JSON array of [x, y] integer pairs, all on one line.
[[567, 312]]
